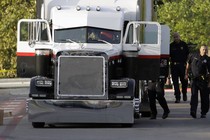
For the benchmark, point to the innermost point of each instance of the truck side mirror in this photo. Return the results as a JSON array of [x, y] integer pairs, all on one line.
[[137, 45], [31, 43]]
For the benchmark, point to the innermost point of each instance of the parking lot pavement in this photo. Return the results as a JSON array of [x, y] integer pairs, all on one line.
[[169, 95]]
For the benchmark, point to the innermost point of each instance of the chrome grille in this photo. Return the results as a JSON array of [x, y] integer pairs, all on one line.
[[81, 76]]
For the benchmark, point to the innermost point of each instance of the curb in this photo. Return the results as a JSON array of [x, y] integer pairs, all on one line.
[[14, 82]]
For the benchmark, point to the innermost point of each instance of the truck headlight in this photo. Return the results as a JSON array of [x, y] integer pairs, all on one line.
[[119, 83]]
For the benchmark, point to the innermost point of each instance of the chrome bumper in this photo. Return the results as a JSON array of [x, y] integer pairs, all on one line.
[[80, 111]]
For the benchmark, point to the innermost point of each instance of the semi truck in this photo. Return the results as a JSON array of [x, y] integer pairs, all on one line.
[[90, 60]]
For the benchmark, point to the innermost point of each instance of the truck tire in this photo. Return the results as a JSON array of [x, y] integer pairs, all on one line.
[[126, 125], [145, 114], [38, 124]]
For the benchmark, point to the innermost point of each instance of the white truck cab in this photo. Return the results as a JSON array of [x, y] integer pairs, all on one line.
[[90, 60]]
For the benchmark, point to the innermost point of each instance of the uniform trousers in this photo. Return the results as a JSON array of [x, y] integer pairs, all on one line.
[[156, 91], [198, 85], [178, 71]]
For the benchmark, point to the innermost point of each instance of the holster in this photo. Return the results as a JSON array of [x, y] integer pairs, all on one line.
[[202, 81]]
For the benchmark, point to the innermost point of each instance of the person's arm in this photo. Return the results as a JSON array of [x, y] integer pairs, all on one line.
[[169, 63], [186, 51], [187, 71], [208, 65]]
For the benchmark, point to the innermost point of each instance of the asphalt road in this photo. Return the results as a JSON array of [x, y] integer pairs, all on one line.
[[179, 125]]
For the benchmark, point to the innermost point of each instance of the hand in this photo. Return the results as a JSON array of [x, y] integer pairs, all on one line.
[[186, 76]]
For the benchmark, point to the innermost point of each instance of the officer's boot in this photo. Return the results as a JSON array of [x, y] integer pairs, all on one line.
[[177, 100], [153, 116], [184, 90], [184, 96]]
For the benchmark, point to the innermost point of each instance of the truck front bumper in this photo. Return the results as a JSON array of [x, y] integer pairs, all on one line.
[[80, 111]]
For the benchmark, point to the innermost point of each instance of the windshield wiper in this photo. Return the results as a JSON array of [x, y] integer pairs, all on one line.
[[68, 40], [105, 41], [71, 41]]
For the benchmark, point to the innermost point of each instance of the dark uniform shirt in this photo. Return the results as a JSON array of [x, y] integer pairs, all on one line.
[[200, 65], [179, 52]]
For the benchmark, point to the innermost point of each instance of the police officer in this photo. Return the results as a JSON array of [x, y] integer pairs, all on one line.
[[199, 64], [178, 56], [156, 91]]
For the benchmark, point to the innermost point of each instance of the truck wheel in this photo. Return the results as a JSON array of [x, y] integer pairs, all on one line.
[[127, 125], [51, 125], [146, 114], [38, 124]]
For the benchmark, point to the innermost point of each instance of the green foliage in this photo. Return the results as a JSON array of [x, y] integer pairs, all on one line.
[[10, 12], [188, 17], [8, 73], [191, 18]]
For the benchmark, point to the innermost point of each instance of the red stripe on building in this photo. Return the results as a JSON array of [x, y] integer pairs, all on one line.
[[25, 54]]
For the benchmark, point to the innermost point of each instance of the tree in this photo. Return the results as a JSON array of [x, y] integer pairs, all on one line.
[[10, 12], [188, 17]]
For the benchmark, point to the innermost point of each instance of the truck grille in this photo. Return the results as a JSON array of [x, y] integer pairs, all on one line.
[[81, 76]]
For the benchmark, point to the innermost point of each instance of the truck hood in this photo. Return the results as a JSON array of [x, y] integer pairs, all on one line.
[[110, 50]]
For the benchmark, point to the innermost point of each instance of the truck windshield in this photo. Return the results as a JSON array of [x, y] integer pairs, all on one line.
[[87, 35]]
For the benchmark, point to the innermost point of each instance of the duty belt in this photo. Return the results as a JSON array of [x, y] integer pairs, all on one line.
[[177, 63], [201, 78]]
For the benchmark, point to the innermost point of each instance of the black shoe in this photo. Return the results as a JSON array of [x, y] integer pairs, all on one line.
[[165, 115], [177, 101], [153, 117], [184, 97], [193, 114], [203, 116]]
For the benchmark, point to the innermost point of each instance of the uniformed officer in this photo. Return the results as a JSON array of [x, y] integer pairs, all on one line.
[[156, 91], [178, 56], [200, 66]]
